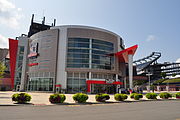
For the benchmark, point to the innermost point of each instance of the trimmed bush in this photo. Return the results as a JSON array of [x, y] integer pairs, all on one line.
[[57, 98], [80, 97], [21, 98], [140, 95], [136, 96], [102, 97], [132, 95], [151, 96], [177, 95], [165, 95], [120, 97]]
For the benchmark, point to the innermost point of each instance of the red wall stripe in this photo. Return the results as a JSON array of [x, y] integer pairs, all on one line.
[[13, 47]]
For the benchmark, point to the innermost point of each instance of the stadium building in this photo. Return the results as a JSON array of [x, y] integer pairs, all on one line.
[[74, 58]]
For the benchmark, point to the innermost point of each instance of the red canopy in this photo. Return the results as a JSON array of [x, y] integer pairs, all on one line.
[[123, 55]]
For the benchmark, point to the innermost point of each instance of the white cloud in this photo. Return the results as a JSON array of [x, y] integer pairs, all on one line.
[[151, 38], [9, 14], [3, 41], [178, 60]]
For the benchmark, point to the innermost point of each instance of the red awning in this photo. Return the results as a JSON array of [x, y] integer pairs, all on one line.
[[123, 55], [102, 82]]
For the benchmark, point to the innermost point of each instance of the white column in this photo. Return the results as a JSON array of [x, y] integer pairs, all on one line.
[[125, 85], [117, 86], [90, 76], [130, 64], [61, 75], [23, 41]]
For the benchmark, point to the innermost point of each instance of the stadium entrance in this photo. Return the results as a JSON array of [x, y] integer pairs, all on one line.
[[106, 86]]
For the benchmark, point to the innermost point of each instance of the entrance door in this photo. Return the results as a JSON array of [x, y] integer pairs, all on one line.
[[102, 88], [111, 89]]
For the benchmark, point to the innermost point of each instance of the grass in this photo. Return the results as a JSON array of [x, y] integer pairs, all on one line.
[[176, 80]]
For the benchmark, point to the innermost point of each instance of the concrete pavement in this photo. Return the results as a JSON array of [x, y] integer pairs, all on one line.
[[150, 110]]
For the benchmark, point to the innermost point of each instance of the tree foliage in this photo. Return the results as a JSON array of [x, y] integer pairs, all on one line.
[[2, 69], [163, 75], [174, 75]]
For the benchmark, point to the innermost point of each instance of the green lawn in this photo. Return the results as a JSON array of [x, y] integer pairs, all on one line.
[[175, 80]]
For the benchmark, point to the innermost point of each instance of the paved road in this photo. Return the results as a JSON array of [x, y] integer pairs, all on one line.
[[149, 110]]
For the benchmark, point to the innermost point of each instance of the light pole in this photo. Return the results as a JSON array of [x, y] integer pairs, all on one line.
[[149, 76]]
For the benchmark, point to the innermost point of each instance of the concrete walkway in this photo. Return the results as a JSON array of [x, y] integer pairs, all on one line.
[[41, 98]]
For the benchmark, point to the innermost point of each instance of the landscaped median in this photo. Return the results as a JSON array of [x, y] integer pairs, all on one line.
[[79, 98]]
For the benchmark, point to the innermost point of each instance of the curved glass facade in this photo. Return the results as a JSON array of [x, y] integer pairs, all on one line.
[[78, 53], [100, 54], [90, 53]]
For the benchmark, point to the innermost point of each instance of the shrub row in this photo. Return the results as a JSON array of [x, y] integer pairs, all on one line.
[[165, 95], [102, 97], [57, 98], [120, 97], [136, 96], [151, 96], [82, 98], [21, 98]]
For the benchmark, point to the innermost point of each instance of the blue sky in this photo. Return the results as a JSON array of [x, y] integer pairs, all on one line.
[[152, 24]]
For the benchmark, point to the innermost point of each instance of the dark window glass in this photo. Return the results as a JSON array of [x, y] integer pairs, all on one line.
[[72, 55], [79, 50], [101, 47], [102, 42], [78, 65], [82, 45], [78, 61], [99, 52]]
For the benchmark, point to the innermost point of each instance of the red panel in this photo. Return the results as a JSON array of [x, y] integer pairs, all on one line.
[[32, 55], [102, 82], [58, 85], [33, 64], [123, 55], [13, 46]]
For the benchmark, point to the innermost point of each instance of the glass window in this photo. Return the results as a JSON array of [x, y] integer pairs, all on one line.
[[21, 50], [40, 84], [78, 61], [69, 81], [78, 50], [79, 53], [82, 45], [101, 47], [76, 55], [82, 75], [78, 65], [76, 75], [69, 74], [102, 42]]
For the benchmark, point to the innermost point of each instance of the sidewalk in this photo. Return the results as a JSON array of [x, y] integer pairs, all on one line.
[[41, 98]]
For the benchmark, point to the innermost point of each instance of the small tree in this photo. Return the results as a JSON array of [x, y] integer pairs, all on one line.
[[174, 75], [2, 69], [163, 75]]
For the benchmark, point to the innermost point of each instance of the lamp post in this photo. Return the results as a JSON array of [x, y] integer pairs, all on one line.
[[149, 76]]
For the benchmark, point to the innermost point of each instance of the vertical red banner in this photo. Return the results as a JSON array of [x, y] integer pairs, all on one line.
[[13, 47]]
